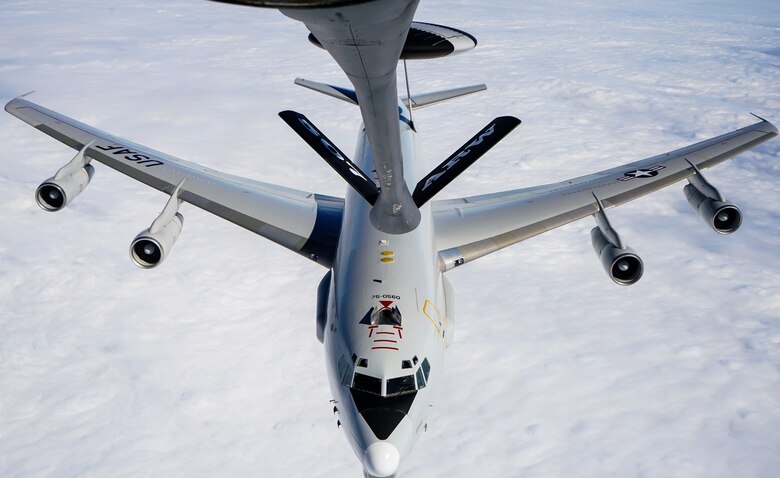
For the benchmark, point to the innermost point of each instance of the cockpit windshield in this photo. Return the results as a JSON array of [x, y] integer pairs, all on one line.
[[367, 384], [393, 386], [397, 386]]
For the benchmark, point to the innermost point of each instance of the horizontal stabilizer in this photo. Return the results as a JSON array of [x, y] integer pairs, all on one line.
[[332, 155], [343, 94], [464, 157], [427, 99]]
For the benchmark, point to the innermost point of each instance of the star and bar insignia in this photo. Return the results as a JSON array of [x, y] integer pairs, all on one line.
[[641, 173]]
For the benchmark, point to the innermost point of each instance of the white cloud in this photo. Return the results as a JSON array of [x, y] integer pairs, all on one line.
[[209, 365]]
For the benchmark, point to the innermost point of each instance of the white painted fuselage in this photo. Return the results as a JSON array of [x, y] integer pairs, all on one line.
[[387, 319]]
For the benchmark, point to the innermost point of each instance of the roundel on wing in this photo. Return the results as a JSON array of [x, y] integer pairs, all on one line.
[[641, 173]]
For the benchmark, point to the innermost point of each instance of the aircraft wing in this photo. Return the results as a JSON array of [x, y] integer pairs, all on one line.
[[469, 228], [303, 222]]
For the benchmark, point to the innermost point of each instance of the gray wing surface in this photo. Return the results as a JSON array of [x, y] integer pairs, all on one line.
[[471, 227], [303, 222]]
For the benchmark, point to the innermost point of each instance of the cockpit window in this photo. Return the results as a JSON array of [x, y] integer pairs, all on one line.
[[420, 379], [367, 384], [345, 370], [343, 364], [397, 386], [426, 368], [393, 387]]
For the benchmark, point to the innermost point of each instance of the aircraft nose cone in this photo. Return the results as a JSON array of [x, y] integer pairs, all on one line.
[[381, 459]]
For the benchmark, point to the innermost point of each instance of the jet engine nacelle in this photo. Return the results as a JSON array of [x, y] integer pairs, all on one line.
[[623, 265], [150, 247], [55, 193], [722, 216]]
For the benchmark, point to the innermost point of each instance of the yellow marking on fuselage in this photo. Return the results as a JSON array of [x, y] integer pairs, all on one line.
[[438, 314]]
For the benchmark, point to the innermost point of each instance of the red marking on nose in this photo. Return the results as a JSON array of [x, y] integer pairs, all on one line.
[[386, 303], [399, 329]]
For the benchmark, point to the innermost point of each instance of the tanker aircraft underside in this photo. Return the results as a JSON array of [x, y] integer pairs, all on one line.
[[384, 306]]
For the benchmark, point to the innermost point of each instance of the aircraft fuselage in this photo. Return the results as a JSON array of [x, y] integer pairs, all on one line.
[[386, 324]]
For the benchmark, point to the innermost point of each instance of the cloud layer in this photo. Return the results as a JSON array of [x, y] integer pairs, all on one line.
[[208, 365]]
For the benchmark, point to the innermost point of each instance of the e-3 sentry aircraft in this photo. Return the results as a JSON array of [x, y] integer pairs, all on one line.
[[384, 307]]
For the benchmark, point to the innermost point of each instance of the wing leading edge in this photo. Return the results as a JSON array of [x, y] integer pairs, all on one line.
[[303, 222], [472, 227]]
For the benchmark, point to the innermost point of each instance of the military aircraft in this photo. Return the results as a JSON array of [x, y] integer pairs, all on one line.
[[385, 310]]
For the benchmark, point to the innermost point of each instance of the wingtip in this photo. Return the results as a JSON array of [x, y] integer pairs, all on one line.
[[766, 125], [770, 128], [11, 105]]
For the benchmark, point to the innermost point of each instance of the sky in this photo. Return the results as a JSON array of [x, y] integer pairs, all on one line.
[[209, 365]]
